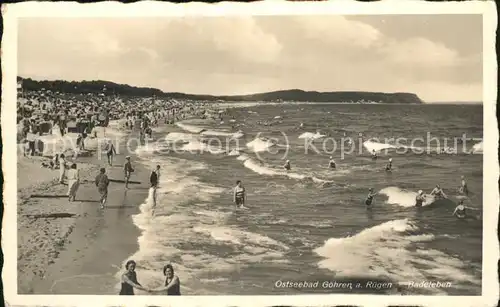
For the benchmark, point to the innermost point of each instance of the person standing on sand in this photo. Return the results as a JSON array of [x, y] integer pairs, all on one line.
[[102, 183], [127, 168], [62, 168], [73, 182], [172, 282], [129, 280], [110, 151]]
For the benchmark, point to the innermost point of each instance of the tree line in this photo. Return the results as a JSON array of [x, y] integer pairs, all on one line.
[[111, 88]]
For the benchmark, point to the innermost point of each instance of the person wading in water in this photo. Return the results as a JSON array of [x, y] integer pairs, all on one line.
[[127, 168], [172, 282], [239, 195], [129, 280]]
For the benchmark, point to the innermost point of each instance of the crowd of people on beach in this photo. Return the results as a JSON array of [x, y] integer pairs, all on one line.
[[43, 114]]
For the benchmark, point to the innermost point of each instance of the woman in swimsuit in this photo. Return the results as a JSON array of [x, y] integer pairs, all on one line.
[[388, 167], [129, 280], [332, 164], [438, 192], [369, 198], [463, 188], [419, 200], [461, 210], [172, 283], [287, 165]]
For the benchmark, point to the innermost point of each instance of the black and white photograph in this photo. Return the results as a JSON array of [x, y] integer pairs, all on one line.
[[250, 151]]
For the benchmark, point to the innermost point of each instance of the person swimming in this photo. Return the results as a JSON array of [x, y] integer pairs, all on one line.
[[332, 163], [438, 192], [388, 167], [287, 165], [419, 199], [374, 155], [463, 187], [460, 210], [239, 195], [369, 198]]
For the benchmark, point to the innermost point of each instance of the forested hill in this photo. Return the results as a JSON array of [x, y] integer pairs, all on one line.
[[285, 95]]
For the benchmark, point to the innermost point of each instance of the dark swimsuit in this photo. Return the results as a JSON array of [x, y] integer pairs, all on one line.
[[240, 197], [419, 202], [153, 179], [464, 189], [369, 200], [175, 289], [461, 213], [126, 288]]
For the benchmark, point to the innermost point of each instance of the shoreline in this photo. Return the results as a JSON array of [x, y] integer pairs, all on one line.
[[81, 250]]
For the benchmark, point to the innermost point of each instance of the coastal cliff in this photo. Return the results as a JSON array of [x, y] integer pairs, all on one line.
[[284, 95]]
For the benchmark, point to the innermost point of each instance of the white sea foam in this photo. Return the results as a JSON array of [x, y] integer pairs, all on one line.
[[233, 152], [260, 144], [370, 146], [404, 198], [478, 148], [186, 235], [311, 136], [189, 128], [201, 147], [263, 169], [386, 251]]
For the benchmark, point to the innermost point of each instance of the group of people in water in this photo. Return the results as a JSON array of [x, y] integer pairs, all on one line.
[[437, 193]]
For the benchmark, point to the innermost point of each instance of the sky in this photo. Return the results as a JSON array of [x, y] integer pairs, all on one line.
[[437, 57]]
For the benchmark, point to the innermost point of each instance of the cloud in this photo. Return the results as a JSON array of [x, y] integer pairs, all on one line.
[[249, 54], [418, 52]]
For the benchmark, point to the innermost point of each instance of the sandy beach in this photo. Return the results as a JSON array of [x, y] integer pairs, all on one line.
[[75, 244]]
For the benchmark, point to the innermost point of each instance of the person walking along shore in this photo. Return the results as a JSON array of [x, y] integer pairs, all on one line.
[[110, 152], [127, 168], [73, 182], [102, 183]]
